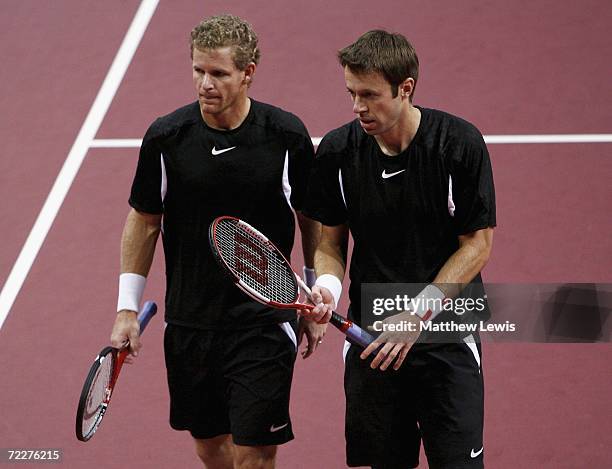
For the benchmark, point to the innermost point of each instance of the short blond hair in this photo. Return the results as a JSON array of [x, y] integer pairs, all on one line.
[[227, 30]]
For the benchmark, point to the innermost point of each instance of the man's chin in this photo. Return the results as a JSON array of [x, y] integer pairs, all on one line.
[[371, 131], [210, 108]]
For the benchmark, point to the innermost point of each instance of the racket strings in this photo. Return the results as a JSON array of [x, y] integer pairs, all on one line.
[[256, 262], [97, 394]]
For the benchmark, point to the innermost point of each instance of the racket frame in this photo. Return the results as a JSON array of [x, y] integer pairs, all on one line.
[[118, 356], [107, 353], [354, 333], [236, 279]]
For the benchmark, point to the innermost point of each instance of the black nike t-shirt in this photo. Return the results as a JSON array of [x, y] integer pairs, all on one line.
[[191, 174], [405, 212]]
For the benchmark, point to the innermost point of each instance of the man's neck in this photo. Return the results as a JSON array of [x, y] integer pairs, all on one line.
[[398, 138], [231, 118]]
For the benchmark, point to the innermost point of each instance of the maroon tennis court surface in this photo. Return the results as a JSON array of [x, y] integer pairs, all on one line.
[[82, 80]]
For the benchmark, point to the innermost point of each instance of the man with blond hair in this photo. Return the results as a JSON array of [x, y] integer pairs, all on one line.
[[229, 360]]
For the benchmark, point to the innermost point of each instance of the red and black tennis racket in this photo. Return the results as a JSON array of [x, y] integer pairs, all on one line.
[[101, 379], [261, 271]]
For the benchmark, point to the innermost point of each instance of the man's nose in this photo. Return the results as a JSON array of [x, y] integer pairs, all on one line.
[[206, 83], [359, 106]]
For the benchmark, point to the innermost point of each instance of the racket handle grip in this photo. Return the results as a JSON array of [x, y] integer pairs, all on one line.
[[354, 334], [146, 313]]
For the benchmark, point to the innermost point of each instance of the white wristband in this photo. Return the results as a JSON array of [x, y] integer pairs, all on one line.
[[310, 276], [333, 284], [131, 288], [429, 303]]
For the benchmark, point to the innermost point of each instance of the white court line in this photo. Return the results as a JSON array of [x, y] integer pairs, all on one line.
[[75, 157], [116, 143], [550, 138], [492, 139]]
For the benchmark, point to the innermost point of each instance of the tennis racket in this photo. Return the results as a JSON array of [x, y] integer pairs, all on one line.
[[261, 271], [101, 379]]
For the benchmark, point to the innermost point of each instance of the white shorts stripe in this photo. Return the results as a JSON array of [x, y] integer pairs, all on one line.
[[345, 349], [285, 326], [469, 341]]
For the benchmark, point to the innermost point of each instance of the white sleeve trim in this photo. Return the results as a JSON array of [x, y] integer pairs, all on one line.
[[451, 202], [341, 187], [285, 182], [164, 179]]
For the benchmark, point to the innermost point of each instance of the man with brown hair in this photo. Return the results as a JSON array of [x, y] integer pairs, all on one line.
[[415, 188], [229, 360]]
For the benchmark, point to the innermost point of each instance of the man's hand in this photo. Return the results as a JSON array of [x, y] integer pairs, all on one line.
[[314, 335], [395, 344], [126, 329], [324, 306]]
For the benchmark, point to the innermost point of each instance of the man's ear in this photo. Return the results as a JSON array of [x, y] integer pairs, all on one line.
[[249, 71], [407, 88]]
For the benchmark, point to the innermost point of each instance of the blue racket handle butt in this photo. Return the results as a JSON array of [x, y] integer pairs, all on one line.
[[147, 311]]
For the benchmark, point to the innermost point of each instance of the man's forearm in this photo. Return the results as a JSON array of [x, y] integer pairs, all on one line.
[[311, 235], [138, 242], [330, 256], [465, 263]]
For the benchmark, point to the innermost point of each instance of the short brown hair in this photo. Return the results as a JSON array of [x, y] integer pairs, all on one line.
[[389, 54], [227, 30]]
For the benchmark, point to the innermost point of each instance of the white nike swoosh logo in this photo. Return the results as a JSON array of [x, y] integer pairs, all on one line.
[[475, 454], [386, 175], [275, 429], [218, 152]]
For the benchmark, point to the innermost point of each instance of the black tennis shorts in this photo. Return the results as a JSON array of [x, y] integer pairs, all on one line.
[[436, 396], [231, 382]]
